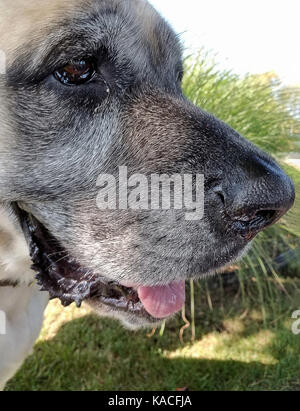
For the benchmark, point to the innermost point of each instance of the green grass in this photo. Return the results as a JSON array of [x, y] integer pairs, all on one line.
[[228, 338], [232, 350], [262, 110], [248, 104]]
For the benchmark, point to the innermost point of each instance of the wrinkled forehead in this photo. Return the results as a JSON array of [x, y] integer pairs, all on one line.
[[131, 28]]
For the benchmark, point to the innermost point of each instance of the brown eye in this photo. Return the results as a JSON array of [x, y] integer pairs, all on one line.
[[76, 73]]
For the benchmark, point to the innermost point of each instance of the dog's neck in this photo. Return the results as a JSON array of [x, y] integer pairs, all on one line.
[[14, 255]]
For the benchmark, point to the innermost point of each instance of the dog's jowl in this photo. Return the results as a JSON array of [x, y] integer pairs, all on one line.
[[90, 86]]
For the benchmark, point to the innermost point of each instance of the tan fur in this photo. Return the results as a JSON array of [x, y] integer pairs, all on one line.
[[14, 258], [31, 20], [22, 21], [23, 307]]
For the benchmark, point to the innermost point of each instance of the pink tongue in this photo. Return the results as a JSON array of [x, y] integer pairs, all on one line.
[[164, 300]]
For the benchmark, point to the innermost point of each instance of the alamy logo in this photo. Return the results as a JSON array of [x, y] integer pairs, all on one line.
[[154, 192], [2, 62], [2, 323], [296, 324]]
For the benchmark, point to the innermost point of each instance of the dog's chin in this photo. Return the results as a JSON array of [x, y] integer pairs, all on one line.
[[62, 276], [127, 318]]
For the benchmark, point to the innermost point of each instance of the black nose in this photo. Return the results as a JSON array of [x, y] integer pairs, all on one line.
[[258, 196]]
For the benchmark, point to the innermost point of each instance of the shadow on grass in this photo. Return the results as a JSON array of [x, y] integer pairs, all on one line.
[[96, 354]]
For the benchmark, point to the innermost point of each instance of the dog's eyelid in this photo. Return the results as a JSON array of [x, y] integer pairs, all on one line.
[[66, 51]]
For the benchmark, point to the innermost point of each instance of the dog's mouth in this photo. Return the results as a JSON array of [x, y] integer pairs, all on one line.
[[64, 278]]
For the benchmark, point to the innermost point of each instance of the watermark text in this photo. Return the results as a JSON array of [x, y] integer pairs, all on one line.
[[154, 192]]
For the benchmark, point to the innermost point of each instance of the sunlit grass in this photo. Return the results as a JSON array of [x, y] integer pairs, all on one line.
[[232, 350]]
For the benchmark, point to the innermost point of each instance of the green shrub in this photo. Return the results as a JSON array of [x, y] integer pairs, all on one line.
[[258, 107]]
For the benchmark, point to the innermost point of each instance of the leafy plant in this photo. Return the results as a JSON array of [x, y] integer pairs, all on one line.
[[259, 108]]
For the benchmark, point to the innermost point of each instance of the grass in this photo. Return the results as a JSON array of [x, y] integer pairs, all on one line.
[[248, 104], [232, 350], [258, 107], [233, 335]]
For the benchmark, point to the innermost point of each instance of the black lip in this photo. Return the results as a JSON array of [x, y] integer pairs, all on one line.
[[64, 278]]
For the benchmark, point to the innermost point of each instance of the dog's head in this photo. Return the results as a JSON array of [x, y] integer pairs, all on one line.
[[95, 85]]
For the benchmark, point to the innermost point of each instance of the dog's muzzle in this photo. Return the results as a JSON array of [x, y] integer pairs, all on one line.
[[64, 278]]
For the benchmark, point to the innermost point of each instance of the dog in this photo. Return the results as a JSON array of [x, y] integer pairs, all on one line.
[[89, 86]]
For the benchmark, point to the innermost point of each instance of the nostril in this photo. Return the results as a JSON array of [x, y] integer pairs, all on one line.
[[265, 215], [251, 224], [262, 218], [248, 216], [218, 191], [246, 212], [221, 197]]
